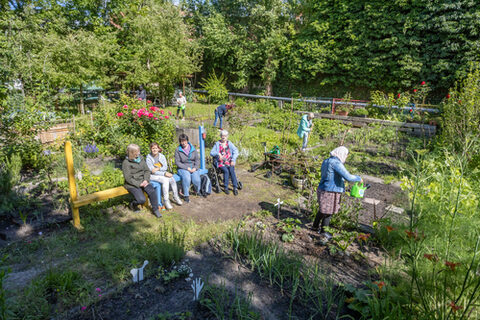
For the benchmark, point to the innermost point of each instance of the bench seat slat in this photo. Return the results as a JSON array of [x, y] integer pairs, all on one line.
[[98, 196]]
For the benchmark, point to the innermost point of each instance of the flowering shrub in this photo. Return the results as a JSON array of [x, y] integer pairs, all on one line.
[[146, 123]]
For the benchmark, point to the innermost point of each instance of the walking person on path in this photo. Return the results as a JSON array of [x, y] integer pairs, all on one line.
[[304, 129], [182, 104], [331, 187], [220, 112]]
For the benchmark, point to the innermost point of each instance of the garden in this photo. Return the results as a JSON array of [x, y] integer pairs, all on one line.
[[408, 249], [74, 72]]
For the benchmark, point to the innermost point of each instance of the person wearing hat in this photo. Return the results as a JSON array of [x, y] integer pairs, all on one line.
[[331, 187], [304, 129]]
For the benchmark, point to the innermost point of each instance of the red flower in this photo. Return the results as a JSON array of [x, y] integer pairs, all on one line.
[[162, 112], [398, 96], [412, 235], [153, 108], [459, 101], [452, 265], [363, 236], [140, 99], [119, 114], [423, 83], [414, 90], [150, 115], [389, 228], [411, 110], [454, 307], [431, 257], [148, 101], [380, 284], [448, 96], [166, 117], [170, 112], [125, 107]]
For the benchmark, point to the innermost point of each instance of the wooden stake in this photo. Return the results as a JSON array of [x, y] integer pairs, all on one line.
[[72, 187]]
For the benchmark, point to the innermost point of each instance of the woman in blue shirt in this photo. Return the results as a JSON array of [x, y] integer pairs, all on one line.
[[331, 187]]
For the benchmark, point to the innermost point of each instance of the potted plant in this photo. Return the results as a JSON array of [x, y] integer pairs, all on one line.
[[299, 174], [345, 106]]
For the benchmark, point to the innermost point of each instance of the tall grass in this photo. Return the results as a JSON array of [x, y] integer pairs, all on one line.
[[306, 284]]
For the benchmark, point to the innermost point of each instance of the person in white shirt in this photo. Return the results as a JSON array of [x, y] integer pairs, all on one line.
[[182, 104], [157, 163]]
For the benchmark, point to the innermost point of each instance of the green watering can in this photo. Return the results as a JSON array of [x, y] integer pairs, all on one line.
[[358, 190]]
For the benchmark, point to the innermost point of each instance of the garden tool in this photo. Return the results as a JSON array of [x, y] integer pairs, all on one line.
[[358, 190]]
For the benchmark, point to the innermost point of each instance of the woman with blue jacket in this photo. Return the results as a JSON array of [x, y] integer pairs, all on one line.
[[226, 155], [331, 187], [188, 163]]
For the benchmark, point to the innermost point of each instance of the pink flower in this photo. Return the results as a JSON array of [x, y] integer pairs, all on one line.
[[98, 289], [125, 106], [162, 112], [170, 112], [148, 101], [398, 96], [155, 118], [99, 295], [423, 83], [119, 114], [84, 308], [134, 111], [153, 108], [140, 99], [414, 90], [140, 115], [166, 117], [150, 115]]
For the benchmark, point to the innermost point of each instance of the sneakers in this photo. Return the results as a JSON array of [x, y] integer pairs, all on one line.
[[187, 199], [227, 191], [177, 200], [168, 205], [161, 208], [157, 213], [235, 191], [326, 235], [133, 207]]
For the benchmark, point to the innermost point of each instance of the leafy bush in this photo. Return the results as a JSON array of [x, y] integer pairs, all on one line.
[[216, 87], [20, 122], [461, 113]]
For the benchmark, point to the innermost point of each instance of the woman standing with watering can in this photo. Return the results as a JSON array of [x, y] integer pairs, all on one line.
[[305, 128], [331, 187]]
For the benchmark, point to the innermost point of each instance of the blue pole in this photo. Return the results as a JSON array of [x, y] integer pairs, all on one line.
[[202, 147]]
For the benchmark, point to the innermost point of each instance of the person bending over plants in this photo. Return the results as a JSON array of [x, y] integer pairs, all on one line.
[[157, 163], [188, 163], [220, 112], [225, 154], [304, 129], [331, 187], [137, 177]]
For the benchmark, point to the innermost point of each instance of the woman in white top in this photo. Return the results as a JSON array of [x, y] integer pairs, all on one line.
[[157, 163], [182, 104]]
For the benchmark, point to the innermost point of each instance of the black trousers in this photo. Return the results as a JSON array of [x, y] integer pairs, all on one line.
[[325, 218], [139, 197]]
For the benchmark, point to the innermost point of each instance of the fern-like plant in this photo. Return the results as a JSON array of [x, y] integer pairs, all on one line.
[[216, 87]]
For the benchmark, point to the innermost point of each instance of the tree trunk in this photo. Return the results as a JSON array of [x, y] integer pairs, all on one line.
[[82, 107]]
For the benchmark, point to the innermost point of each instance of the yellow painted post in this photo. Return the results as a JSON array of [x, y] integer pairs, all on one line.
[[71, 184]]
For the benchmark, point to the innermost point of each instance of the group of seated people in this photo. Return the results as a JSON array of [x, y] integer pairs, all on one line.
[[143, 175]]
